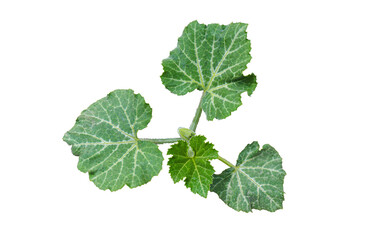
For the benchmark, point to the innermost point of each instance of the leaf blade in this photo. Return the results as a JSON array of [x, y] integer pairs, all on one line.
[[255, 183], [207, 57], [105, 139]]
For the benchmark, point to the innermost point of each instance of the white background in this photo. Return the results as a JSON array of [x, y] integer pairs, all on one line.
[[312, 103]]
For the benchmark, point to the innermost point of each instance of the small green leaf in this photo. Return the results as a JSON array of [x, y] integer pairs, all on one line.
[[195, 169], [211, 58], [105, 138], [255, 183]]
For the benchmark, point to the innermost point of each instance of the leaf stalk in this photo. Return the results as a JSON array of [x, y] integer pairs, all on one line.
[[226, 162], [198, 112], [160, 140]]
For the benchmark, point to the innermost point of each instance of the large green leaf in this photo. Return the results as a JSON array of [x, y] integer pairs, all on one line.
[[255, 183], [191, 161], [211, 58], [105, 138]]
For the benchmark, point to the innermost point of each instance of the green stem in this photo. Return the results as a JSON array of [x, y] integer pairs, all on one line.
[[160, 140], [226, 162], [198, 112]]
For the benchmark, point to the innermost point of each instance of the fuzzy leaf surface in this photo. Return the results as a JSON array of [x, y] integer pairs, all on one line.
[[196, 171], [105, 139], [255, 183], [211, 58]]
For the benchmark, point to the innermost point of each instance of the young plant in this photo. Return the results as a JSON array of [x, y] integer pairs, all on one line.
[[210, 58]]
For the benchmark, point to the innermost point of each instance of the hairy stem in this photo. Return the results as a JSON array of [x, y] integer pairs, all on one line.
[[198, 112], [226, 162], [160, 140]]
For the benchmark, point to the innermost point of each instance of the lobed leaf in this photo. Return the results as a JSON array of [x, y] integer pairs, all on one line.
[[255, 183], [105, 139], [195, 169], [211, 58]]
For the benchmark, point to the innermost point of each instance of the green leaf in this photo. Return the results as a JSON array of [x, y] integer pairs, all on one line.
[[105, 138], [211, 58], [255, 183], [194, 168]]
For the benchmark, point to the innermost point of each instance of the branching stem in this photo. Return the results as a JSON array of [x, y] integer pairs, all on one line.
[[193, 126], [198, 112]]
